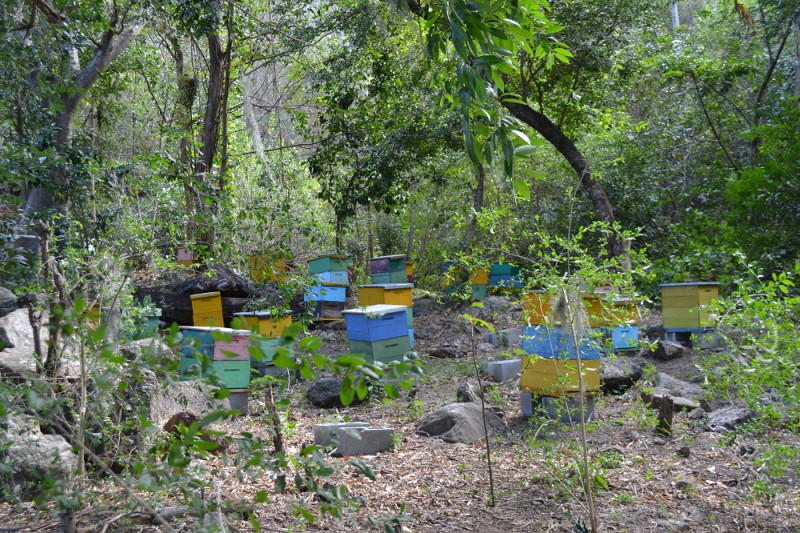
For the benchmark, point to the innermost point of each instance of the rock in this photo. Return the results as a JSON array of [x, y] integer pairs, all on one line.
[[325, 393], [31, 453], [654, 331], [485, 348], [16, 332], [467, 392], [665, 351], [620, 373], [444, 353], [684, 451], [424, 307], [696, 414], [729, 418], [146, 349], [194, 398], [458, 422], [8, 302], [332, 325], [492, 304]]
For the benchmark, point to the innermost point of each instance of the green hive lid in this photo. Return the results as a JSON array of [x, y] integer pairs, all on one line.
[[377, 310], [332, 256], [388, 286], [223, 331], [396, 256], [689, 283], [261, 314], [331, 284]]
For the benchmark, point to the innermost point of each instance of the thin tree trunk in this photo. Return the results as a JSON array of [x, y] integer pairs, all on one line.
[[676, 19], [477, 206]]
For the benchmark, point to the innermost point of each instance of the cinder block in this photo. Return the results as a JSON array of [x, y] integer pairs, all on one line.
[[567, 408], [364, 441], [526, 403], [238, 399], [501, 370], [325, 433]]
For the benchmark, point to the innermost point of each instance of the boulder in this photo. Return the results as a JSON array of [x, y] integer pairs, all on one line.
[[30, 453], [467, 392], [654, 331], [325, 393], [17, 335], [458, 422], [729, 418], [189, 398], [665, 351], [8, 302], [424, 307], [150, 350], [620, 373], [444, 353], [686, 396], [493, 304]]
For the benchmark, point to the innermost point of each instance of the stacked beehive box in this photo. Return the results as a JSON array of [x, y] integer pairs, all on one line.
[[452, 276], [268, 327], [685, 307], [624, 324], [268, 265], [390, 294], [328, 290], [378, 332], [506, 275], [207, 309], [389, 269], [410, 271], [185, 257], [479, 283], [222, 352], [550, 368]]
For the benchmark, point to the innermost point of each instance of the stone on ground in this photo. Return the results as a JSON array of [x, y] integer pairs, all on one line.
[[729, 418], [31, 453], [458, 422], [620, 373], [325, 393], [665, 351]]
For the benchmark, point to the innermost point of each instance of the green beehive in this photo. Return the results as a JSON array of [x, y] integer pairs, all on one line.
[[385, 351], [328, 262]]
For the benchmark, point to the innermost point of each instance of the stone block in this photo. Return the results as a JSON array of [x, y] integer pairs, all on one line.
[[526, 403], [324, 434], [502, 370], [364, 440], [238, 399]]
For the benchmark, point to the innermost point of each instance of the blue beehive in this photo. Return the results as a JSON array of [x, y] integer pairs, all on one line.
[[376, 322], [556, 343], [326, 292], [333, 276]]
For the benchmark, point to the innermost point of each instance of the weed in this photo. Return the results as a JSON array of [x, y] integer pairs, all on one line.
[[623, 498]]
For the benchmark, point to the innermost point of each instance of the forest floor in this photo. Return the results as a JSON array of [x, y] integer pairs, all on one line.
[[696, 480]]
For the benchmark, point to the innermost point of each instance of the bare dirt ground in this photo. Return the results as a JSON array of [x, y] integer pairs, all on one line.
[[696, 480]]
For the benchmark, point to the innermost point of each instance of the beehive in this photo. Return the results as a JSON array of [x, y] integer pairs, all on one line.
[[265, 322], [410, 271], [327, 263], [184, 257], [268, 265], [326, 292], [387, 293], [556, 377], [207, 309], [376, 322], [684, 306], [479, 276], [389, 263]]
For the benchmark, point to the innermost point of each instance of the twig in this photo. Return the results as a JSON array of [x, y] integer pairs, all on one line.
[[112, 520]]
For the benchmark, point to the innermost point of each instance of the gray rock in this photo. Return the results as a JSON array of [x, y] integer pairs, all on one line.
[[325, 393], [729, 418], [620, 373], [511, 337], [665, 351], [676, 387], [31, 453], [146, 349], [654, 331], [8, 301], [492, 304], [467, 392], [458, 422], [193, 397], [17, 333], [424, 307]]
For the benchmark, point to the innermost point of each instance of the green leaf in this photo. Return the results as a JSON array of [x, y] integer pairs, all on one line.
[[522, 188], [262, 496], [363, 467], [347, 391], [391, 390], [305, 369], [280, 483], [524, 150], [600, 481], [350, 360], [283, 360], [361, 389]]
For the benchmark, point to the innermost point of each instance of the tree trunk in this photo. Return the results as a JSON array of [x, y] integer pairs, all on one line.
[[676, 19], [477, 206], [617, 248]]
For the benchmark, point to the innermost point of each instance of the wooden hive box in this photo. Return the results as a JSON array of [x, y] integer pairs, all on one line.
[[384, 351], [269, 265], [479, 276], [537, 308], [683, 305], [265, 322], [333, 276], [328, 263], [556, 377], [376, 322], [185, 257], [326, 292], [479, 291], [231, 345], [386, 293], [389, 263], [553, 342], [410, 271], [207, 309]]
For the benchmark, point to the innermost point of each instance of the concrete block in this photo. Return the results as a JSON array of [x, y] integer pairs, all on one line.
[[709, 339], [324, 434], [567, 408], [364, 440], [238, 399], [511, 337], [526, 403], [501, 370]]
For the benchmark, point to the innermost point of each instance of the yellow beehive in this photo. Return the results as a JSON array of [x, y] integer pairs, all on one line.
[[95, 315], [624, 312], [267, 325], [391, 294], [268, 265], [537, 308], [684, 305], [555, 377], [479, 276], [410, 271], [207, 309], [451, 277], [185, 257]]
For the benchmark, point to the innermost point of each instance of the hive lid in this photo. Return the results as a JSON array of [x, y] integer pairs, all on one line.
[[210, 329], [330, 284], [332, 256], [389, 286], [377, 310], [396, 256], [261, 314], [689, 283], [204, 295]]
